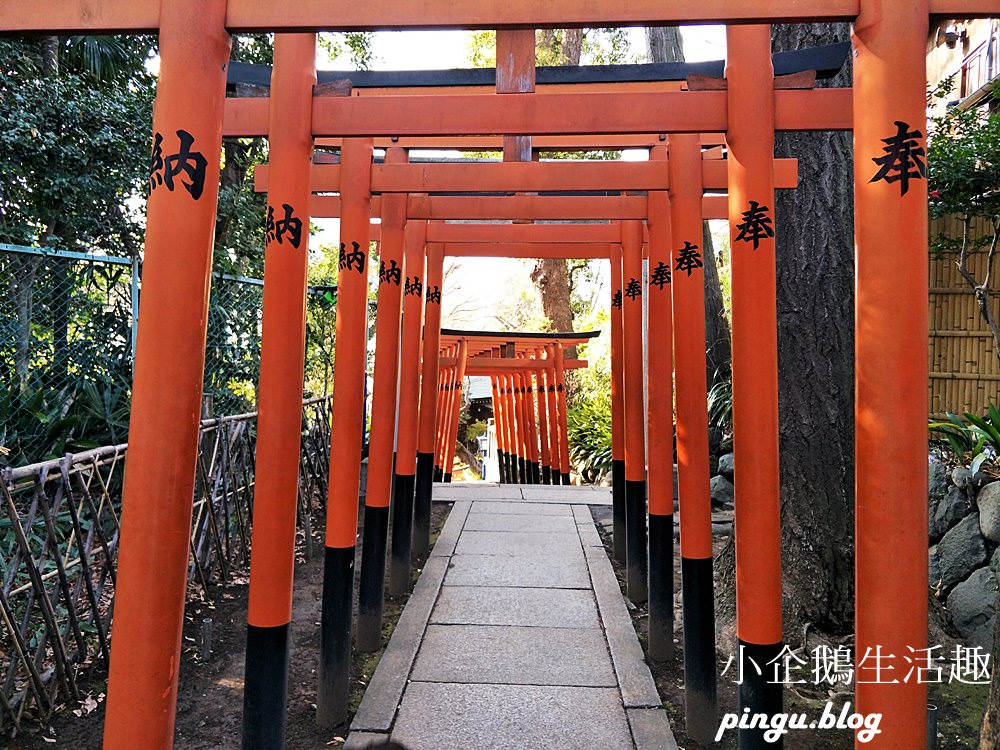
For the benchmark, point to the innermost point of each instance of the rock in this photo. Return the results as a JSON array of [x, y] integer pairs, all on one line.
[[960, 476], [713, 466], [972, 607], [995, 562], [723, 493], [988, 500], [937, 481], [952, 508], [934, 569], [714, 440], [726, 446], [727, 466], [960, 552]]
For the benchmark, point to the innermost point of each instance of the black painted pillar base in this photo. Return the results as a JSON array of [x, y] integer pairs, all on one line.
[[402, 534], [333, 696], [502, 466], [265, 692], [661, 587], [618, 509], [522, 470], [636, 568], [438, 474], [536, 472], [565, 479], [758, 694], [447, 478], [700, 688], [546, 474], [423, 490], [372, 584]]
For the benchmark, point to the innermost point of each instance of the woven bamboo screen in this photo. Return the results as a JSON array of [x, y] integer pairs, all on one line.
[[964, 370]]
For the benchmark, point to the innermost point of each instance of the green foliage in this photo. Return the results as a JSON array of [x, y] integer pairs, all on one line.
[[357, 45], [963, 160], [720, 403], [974, 441], [38, 422], [74, 155], [475, 430], [589, 432]]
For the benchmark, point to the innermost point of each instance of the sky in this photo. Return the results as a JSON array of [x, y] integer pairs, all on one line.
[[478, 286]]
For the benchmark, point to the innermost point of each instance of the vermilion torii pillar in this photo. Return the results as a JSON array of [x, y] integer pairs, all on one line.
[[617, 410], [688, 293], [635, 413], [755, 370], [660, 424], [890, 126], [279, 419], [561, 399], [347, 425], [158, 493], [450, 446], [392, 269], [424, 483], [409, 400], [544, 429]]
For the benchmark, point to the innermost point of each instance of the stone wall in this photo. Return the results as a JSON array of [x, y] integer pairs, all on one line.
[[964, 556]]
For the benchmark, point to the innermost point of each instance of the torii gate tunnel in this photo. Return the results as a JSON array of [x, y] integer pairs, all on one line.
[[657, 205]]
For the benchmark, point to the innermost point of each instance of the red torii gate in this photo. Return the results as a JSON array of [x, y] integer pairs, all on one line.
[[891, 309]]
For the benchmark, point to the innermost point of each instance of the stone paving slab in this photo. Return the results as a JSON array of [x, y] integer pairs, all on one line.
[[585, 526], [514, 655], [448, 538], [507, 522], [636, 682], [511, 717], [516, 636], [510, 507], [651, 729], [567, 495], [518, 543], [533, 571], [378, 706], [487, 605]]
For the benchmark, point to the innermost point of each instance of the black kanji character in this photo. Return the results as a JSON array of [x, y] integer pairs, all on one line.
[[434, 294], [904, 158], [391, 275], [688, 258], [756, 226], [290, 225], [186, 162], [633, 290], [415, 287], [354, 258], [156, 163], [660, 276], [616, 298]]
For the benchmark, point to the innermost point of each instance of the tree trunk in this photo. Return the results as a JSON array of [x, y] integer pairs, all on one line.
[[815, 292], [718, 345], [50, 56], [664, 44], [816, 364]]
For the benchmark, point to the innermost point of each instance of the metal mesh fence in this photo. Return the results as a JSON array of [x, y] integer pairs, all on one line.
[[66, 345]]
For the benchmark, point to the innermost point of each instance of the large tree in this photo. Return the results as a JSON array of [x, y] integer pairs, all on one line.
[[815, 257]]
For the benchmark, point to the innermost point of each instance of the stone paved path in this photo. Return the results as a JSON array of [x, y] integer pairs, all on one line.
[[516, 636]]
